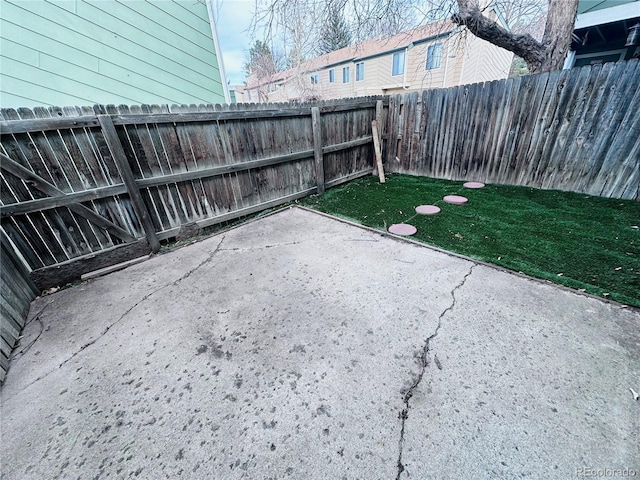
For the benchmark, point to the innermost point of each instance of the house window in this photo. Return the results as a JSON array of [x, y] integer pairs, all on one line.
[[345, 75], [359, 71], [434, 56], [398, 63], [249, 95], [332, 75], [598, 57], [314, 79]]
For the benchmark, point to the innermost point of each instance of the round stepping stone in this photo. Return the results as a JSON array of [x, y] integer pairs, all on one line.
[[427, 209], [403, 229], [473, 185], [455, 199]]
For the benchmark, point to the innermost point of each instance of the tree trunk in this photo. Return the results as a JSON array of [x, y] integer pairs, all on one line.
[[544, 56], [557, 33]]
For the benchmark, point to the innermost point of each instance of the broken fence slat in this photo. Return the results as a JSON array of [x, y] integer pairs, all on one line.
[[376, 144]]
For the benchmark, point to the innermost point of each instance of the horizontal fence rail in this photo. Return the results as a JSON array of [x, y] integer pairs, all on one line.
[[81, 186], [576, 130]]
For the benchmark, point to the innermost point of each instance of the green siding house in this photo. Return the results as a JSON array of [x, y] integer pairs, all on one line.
[[83, 52]]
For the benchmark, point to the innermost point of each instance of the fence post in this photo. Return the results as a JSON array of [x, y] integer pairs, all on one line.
[[376, 147], [379, 108], [317, 147], [117, 152]]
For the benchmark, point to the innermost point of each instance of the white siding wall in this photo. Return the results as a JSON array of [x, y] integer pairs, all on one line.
[[484, 62]]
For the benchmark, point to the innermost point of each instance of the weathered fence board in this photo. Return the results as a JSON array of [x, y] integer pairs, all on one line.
[[571, 130], [17, 291], [64, 272]]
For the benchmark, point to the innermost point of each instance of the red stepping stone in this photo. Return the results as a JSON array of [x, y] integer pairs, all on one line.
[[403, 229], [455, 199], [473, 185], [427, 209]]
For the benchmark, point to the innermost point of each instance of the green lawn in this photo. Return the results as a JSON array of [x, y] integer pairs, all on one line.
[[580, 241]]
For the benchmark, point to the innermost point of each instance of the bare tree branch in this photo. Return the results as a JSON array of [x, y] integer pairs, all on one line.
[[540, 56]]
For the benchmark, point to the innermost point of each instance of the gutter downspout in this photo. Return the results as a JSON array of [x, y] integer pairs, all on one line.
[[447, 43], [446, 68], [464, 58], [570, 60], [216, 44], [406, 64]]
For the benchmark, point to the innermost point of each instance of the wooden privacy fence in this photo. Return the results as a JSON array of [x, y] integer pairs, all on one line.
[[575, 130], [87, 187]]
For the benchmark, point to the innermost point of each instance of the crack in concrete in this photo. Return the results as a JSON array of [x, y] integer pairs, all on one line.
[[424, 363], [36, 318], [263, 247], [201, 264], [145, 298], [404, 261], [129, 310]]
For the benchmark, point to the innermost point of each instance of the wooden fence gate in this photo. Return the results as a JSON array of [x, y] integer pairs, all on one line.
[[126, 246]]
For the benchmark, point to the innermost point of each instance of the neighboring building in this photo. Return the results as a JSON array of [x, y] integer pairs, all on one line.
[[438, 55], [605, 31], [82, 52], [237, 92]]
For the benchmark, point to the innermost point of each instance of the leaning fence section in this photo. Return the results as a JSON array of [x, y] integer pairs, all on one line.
[[17, 293], [575, 130], [85, 187]]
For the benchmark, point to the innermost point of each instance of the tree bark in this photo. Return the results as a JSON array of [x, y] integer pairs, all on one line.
[[557, 33], [544, 56]]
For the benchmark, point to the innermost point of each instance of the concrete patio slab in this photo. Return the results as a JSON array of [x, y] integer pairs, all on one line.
[[298, 346]]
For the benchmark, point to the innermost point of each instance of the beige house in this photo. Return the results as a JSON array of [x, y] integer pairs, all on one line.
[[437, 55]]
